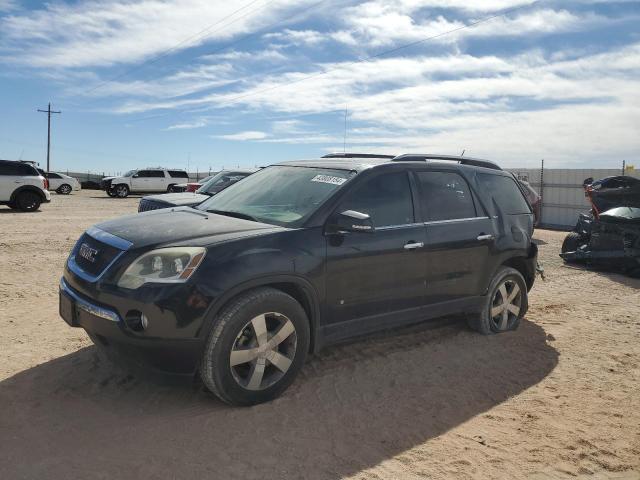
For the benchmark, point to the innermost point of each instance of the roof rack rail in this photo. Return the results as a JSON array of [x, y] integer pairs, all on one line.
[[357, 155], [450, 158]]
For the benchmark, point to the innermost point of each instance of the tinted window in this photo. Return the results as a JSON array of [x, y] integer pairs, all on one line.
[[445, 196], [386, 198], [178, 174], [17, 169], [505, 192], [53, 175], [150, 173]]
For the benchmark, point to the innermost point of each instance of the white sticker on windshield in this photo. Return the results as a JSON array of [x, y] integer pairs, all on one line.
[[329, 179]]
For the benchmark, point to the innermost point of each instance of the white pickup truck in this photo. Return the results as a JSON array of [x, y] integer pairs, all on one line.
[[143, 181]]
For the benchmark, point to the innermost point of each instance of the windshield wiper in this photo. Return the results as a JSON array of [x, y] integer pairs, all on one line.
[[243, 216]]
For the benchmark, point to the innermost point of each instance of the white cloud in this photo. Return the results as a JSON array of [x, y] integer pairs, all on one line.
[[188, 125], [103, 33], [7, 5], [379, 24], [297, 37], [244, 136]]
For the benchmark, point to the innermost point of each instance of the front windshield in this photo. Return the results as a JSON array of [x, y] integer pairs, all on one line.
[[280, 195], [129, 173]]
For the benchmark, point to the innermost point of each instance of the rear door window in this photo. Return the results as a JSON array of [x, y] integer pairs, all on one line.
[[445, 196], [505, 192], [178, 174], [385, 198], [17, 169]]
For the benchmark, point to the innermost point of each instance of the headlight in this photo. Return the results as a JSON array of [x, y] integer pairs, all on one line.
[[165, 265]]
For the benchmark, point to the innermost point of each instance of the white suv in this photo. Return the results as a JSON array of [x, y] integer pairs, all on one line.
[[143, 181], [21, 186]]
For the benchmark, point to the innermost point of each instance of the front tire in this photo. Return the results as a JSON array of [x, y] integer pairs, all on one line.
[[257, 345], [28, 201], [64, 189], [121, 191], [572, 242], [505, 305]]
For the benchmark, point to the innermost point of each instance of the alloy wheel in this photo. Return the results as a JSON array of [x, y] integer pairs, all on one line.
[[506, 305], [121, 191], [65, 189], [263, 351]]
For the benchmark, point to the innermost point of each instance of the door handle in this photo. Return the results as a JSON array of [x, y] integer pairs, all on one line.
[[485, 238], [413, 246]]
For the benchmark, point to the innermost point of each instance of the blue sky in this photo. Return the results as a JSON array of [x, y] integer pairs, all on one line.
[[213, 83]]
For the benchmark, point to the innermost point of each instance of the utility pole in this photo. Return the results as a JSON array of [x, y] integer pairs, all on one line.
[[48, 111]]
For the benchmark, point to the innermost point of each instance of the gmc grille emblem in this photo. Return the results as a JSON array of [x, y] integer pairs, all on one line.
[[88, 253]]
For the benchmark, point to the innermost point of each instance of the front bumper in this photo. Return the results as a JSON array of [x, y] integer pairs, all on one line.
[[107, 328]]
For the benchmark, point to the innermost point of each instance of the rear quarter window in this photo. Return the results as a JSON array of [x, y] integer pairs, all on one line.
[[505, 192], [178, 174]]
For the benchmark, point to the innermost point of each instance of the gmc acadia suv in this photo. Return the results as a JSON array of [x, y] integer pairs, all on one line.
[[301, 255]]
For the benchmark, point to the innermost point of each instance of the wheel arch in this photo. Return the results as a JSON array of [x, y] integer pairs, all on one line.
[[27, 188], [521, 264], [297, 287]]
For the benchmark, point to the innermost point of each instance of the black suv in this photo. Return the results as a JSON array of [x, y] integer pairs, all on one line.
[[301, 255]]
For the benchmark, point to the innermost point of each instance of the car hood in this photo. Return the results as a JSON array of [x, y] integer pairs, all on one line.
[[178, 199], [180, 225]]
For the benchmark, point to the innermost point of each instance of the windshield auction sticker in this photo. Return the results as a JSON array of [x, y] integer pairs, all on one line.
[[329, 179]]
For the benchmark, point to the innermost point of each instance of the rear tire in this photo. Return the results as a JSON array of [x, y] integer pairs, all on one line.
[[64, 189], [28, 201], [170, 188], [257, 345], [505, 305]]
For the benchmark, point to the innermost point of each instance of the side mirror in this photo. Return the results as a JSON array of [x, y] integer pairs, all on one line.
[[350, 221], [136, 175]]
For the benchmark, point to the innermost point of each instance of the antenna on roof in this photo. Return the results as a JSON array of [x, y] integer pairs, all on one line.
[[462, 154], [344, 148]]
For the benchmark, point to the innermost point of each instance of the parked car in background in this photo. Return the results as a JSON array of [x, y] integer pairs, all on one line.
[[61, 183], [143, 181], [215, 184], [191, 186], [90, 185], [301, 255], [21, 186]]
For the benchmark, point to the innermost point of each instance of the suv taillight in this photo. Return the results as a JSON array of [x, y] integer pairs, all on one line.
[[45, 184]]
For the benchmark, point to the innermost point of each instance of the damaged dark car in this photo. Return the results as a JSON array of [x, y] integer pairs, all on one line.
[[609, 236]]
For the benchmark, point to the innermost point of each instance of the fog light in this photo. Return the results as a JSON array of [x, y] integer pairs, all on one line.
[[136, 320]]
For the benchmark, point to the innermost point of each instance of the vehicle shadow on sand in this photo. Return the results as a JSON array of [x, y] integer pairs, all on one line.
[[352, 407]]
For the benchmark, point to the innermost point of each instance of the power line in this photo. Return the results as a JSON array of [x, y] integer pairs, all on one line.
[[172, 49], [214, 51], [384, 53]]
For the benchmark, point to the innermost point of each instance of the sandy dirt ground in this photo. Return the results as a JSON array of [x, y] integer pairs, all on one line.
[[558, 398]]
